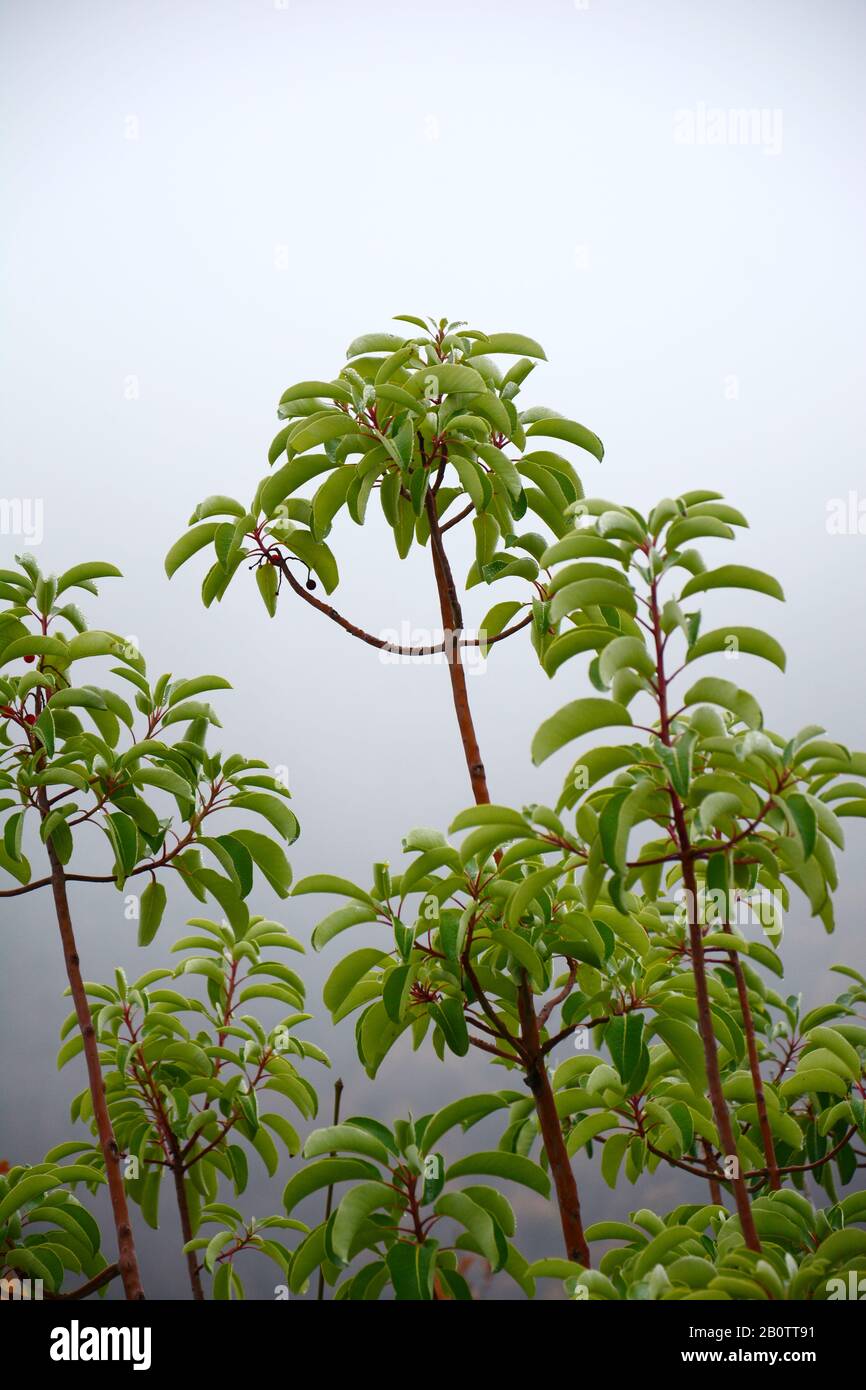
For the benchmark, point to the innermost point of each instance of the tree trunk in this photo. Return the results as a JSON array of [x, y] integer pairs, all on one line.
[[755, 1067], [186, 1227], [452, 623], [711, 1056], [561, 1170], [127, 1260], [535, 1071]]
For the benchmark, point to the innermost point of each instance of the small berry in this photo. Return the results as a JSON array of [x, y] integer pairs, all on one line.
[[30, 660]]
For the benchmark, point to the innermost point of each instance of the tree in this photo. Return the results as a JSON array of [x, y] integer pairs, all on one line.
[[61, 775], [695, 1253], [46, 1231], [180, 1099], [637, 926], [731, 810], [424, 421], [402, 1190]]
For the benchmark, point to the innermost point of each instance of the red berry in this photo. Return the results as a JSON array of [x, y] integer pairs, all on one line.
[[30, 660]]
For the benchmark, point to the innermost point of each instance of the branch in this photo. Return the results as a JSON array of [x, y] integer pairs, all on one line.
[[379, 642], [104, 1276]]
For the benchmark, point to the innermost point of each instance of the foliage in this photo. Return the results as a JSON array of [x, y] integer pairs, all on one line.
[[235, 1237], [423, 420], [621, 952], [463, 930], [402, 1190], [69, 775], [697, 1253], [181, 1096], [758, 809], [46, 1232]]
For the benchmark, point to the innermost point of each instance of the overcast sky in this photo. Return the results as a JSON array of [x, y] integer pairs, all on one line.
[[206, 201]]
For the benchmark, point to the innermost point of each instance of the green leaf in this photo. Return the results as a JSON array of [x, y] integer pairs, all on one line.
[[589, 593], [328, 883], [465, 1112], [280, 1125], [452, 1021], [515, 344], [738, 639], [320, 429], [214, 1246], [329, 498], [554, 1269], [686, 1046], [666, 1240], [478, 1222], [625, 653], [268, 582], [33, 646], [497, 1164], [315, 554], [27, 1189], [345, 1139], [733, 577], [273, 809], [579, 717], [153, 901], [374, 342], [451, 379], [588, 1128], [495, 621], [324, 1173], [196, 538], [80, 575], [571, 431], [624, 1039], [810, 1081], [717, 806], [802, 815], [268, 858], [411, 1268], [713, 691], [526, 893], [354, 1210]]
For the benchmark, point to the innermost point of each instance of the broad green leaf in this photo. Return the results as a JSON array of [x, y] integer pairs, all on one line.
[[515, 344], [579, 717], [345, 1139], [152, 907], [353, 1211], [733, 577], [324, 1173], [570, 430], [191, 541], [497, 1164], [464, 1112], [84, 574], [738, 639]]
